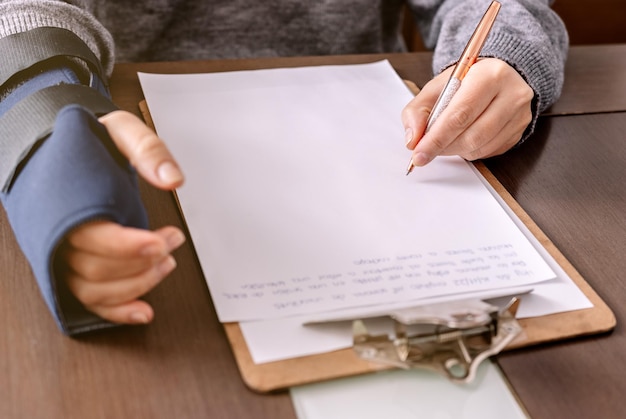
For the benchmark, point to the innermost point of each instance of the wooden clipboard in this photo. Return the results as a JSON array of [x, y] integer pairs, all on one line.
[[279, 375]]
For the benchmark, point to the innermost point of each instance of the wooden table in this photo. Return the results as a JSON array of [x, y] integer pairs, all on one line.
[[570, 177]]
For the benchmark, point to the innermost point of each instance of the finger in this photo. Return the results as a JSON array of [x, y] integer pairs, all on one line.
[[105, 251], [134, 312], [121, 291], [498, 146], [112, 240], [487, 139], [98, 268], [473, 97], [415, 114], [144, 149], [480, 136], [497, 129], [473, 148], [507, 138]]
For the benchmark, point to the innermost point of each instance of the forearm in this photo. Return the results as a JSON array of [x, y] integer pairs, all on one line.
[[58, 167]]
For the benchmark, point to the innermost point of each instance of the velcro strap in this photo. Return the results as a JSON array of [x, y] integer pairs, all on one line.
[[32, 119], [23, 50]]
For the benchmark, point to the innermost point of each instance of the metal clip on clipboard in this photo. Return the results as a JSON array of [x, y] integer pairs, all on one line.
[[451, 338]]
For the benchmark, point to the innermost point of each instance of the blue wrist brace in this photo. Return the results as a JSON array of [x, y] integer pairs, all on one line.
[[73, 176]]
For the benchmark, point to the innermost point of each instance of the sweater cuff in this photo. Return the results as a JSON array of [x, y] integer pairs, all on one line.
[[17, 17], [544, 75]]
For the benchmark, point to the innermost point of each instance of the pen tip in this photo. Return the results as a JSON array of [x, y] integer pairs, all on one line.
[[410, 168]]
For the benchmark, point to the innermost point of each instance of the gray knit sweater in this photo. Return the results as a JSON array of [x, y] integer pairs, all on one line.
[[527, 34]]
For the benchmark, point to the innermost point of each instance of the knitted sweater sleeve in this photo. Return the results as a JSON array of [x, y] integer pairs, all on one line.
[[22, 15], [527, 34]]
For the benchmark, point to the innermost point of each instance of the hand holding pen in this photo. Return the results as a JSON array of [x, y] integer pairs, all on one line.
[[479, 113]]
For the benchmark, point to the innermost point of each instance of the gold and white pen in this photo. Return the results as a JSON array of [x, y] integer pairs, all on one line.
[[468, 58]]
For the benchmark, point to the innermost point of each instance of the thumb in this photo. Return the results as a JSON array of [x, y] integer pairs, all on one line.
[[415, 114], [144, 149]]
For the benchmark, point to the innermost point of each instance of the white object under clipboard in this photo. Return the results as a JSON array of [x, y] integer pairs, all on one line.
[[412, 394]]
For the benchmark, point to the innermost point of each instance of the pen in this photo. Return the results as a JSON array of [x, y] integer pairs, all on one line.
[[468, 58]]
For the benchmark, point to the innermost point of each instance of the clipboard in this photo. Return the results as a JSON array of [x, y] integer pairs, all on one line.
[[280, 375]]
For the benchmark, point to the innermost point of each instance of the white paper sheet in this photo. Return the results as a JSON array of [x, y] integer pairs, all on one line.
[[290, 337], [554, 296], [297, 200], [299, 208]]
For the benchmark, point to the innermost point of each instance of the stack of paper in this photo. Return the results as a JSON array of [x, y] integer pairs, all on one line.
[[299, 208]]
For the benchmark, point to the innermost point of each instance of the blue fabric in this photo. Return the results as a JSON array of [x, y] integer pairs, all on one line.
[[74, 176]]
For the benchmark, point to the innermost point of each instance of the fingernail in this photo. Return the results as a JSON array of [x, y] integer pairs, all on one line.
[[166, 266], [421, 159], [408, 135], [175, 239], [169, 173], [139, 318]]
